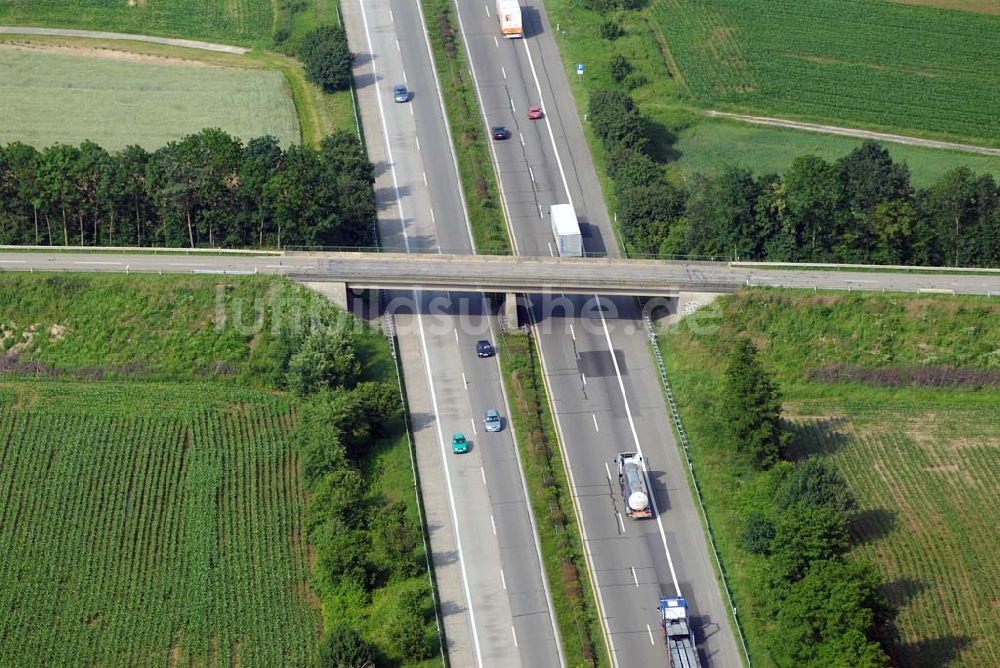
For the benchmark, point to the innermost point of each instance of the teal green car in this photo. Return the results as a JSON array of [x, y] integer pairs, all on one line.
[[459, 444]]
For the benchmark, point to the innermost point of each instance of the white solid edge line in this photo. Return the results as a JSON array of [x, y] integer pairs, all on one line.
[[552, 138], [583, 531], [447, 124], [447, 477], [527, 502], [493, 149], [638, 446], [423, 345], [385, 128]]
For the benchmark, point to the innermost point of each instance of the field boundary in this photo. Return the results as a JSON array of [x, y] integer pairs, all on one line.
[[855, 132], [682, 438], [97, 34]]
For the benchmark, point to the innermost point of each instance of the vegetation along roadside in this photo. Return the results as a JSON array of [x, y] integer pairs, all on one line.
[[550, 496], [475, 167], [855, 441]]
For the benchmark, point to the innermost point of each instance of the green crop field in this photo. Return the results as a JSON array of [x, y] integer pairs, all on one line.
[[151, 469], [874, 63], [54, 95], [922, 461], [151, 524], [230, 21]]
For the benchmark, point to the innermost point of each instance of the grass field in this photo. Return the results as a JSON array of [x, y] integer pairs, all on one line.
[[52, 94], [149, 525], [910, 69], [711, 144], [228, 21], [921, 461]]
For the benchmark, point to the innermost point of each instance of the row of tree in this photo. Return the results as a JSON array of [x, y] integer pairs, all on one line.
[[827, 610], [206, 190], [361, 544], [861, 208]]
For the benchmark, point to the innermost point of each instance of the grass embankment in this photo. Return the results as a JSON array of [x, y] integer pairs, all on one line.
[[922, 461], [685, 139], [562, 551], [475, 166], [154, 405]]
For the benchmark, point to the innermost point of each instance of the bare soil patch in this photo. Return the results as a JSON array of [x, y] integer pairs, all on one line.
[[974, 6], [90, 52]]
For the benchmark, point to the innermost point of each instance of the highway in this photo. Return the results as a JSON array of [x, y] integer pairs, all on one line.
[[598, 367], [494, 600]]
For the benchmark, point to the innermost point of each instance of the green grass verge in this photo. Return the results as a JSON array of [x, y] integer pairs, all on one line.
[[551, 500], [710, 144], [921, 461], [475, 166]]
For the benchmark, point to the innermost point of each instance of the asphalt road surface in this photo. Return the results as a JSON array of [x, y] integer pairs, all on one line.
[[604, 391], [493, 595]]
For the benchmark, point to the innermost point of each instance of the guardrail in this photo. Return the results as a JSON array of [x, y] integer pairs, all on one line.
[[137, 250], [904, 268], [682, 437]]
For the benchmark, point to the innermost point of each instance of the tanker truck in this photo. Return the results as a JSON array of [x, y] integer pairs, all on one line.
[[634, 485]]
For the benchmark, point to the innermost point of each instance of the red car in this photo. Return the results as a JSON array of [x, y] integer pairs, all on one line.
[[534, 113]]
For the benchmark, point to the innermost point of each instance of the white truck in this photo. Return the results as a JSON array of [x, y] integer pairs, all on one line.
[[566, 230], [509, 13]]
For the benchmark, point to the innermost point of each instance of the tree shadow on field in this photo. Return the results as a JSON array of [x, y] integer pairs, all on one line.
[[931, 653], [871, 525], [663, 146], [816, 437], [902, 591]]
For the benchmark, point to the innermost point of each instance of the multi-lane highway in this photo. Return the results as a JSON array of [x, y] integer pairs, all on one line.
[[604, 391], [494, 599]]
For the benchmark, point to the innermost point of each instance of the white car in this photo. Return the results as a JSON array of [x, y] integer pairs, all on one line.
[[492, 420]]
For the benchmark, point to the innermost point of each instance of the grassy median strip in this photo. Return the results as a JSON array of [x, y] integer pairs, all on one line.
[[475, 167], [558, 532]]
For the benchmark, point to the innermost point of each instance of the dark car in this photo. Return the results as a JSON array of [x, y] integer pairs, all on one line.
[[534, 113], [499, 132], [484, 348]]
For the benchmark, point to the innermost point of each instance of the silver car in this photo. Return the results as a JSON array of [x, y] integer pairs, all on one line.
[[492, 420]]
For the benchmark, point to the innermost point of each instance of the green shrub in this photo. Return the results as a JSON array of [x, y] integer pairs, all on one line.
[[815, 484], [327, 58], [757, 534], [611, 30], [343, 647], [616, 120], [619, 67]]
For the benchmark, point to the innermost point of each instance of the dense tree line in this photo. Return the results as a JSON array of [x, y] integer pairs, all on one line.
[[205, 190], [861, 208], [827, 610], [360, 543]]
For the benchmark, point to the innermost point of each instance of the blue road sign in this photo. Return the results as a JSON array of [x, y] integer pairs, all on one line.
[[579, 68]]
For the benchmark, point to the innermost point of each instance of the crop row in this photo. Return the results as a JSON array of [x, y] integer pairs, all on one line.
[[856, 61], [128, 538], [927, 487]]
